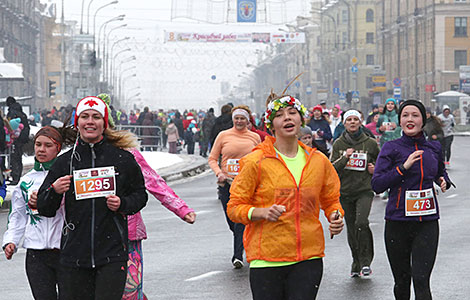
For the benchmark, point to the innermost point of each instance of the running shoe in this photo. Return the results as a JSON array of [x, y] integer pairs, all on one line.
[[366, 271], [237, 264], [355, 274]]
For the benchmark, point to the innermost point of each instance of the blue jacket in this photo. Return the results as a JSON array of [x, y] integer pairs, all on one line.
[[323, 127], [421, 175]]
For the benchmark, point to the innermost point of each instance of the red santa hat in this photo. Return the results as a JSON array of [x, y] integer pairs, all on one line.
[[94, 103]]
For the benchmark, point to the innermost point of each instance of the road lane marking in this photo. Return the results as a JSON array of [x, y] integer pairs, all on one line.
[[203, 276], [452, 196]]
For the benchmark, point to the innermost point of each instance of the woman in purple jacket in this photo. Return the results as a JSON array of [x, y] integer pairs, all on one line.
[[408, 167]]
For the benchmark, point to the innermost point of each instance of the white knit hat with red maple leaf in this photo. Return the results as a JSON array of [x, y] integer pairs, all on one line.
[[94, 103]]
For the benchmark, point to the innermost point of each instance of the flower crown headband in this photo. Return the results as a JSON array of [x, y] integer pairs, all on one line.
[[286, 101]]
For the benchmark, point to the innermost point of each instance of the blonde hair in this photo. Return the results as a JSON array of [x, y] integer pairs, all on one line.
[[121, 138], [245, 107]]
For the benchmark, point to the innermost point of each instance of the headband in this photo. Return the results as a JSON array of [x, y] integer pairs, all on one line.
[[351, 112], [241, 112], [53, 134], [279, 103]]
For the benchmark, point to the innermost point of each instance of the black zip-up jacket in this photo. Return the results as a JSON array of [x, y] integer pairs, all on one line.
[[94, 235]]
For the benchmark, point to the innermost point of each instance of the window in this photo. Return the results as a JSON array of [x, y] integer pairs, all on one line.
[[369, 16], [460, 58], [457, 1], [344, 15], [369, 59], [369, 37], [460, 26]]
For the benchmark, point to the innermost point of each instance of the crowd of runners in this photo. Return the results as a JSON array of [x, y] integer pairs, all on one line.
[[78, 214]]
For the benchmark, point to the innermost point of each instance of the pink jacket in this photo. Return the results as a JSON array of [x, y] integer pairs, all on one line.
[[156, 186]]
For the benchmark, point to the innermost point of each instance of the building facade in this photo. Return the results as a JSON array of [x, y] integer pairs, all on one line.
[[348, 50], [422, 44]]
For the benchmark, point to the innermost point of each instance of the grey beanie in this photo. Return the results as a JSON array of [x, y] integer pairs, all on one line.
[[305, 130]]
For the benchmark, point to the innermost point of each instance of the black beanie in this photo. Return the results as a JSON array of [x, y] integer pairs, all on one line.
[[10, 100], [416, 103]]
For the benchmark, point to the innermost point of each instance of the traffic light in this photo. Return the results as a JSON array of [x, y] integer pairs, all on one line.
[[51, 88], [92, 58], [349, 97]]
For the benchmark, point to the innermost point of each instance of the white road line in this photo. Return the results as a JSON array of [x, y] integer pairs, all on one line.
[[452, 196], [203, 276]]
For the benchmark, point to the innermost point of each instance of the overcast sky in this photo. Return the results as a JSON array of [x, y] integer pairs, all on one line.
[[172, 75]]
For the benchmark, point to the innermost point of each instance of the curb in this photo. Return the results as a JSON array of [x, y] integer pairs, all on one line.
[[191, 166]]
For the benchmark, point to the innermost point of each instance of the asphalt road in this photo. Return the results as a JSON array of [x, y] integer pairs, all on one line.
[[183, 261]]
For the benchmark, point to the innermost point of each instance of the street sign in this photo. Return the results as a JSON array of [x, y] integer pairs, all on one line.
[[354, 60], [336, 90], [308, 90], [379, 78], [342, 96], [355, 94], [354, 69], [336, 84], [397, 81]]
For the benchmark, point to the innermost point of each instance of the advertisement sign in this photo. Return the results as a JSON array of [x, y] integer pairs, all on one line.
[[246, 11], [252, 37]]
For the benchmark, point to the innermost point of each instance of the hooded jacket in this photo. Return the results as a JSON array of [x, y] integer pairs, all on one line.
[[389, 175], [39, 232], [265, 180], [95, 235], [354, 182], [388, 116]]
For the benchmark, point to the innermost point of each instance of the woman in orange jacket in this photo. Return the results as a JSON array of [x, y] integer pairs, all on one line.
[[278, 194]]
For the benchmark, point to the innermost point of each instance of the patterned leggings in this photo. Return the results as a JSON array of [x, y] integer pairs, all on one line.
[[134, 281]]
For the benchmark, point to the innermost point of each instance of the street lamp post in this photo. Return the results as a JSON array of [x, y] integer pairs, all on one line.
[[115, 72], [119, 91], [94, 19], [88, 17], [106, 45], [112, 59], [124, 79], [118, 18]]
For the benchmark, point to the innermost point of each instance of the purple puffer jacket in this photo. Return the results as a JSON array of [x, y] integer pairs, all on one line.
[[156, 186], [421, 175]]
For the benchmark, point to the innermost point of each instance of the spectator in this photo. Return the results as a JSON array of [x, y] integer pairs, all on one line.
[[16, 111], [207, 126], [223, 122]]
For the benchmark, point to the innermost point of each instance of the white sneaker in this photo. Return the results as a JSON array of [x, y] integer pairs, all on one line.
[[366, 271], [237, 264]]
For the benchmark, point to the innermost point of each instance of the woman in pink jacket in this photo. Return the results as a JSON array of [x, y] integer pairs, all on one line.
[[157, 187]]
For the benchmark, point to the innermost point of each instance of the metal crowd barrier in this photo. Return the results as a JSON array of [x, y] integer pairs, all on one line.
[[152, 140]]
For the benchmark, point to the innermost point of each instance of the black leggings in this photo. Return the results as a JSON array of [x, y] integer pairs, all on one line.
[[236, 228], [295, 282], [447, 147], [101, 283], [411, 250], [43, 271]]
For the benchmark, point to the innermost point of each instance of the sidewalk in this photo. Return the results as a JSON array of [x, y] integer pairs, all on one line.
[[169, 166]]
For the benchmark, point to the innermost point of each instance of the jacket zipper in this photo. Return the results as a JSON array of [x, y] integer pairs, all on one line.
[[93, 157], [422, 174], [297, 203]]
